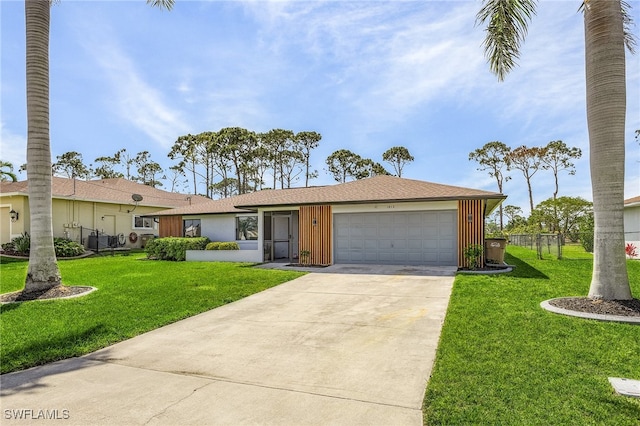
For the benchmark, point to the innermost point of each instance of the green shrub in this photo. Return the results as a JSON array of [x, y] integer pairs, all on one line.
[[66, 248], [19, 245], [63, 247], [218, 245], [174, 248]]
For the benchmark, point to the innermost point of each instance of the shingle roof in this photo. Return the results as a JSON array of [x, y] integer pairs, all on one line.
[[225, 205], [633, 200], [375, 189], [107, 190], [371, 190]]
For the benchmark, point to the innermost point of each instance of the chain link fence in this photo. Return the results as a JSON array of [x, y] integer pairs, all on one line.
[[543, 244], [572, 246]]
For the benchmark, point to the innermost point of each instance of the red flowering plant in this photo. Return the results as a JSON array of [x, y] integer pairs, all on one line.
[[630, 249]]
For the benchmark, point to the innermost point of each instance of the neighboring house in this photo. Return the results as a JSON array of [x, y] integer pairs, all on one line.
[[380, 220], [632, 222], [81, 208]]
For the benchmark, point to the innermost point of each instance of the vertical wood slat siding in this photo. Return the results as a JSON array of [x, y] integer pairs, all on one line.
[[170, 226], [315, 238], [470, 233]]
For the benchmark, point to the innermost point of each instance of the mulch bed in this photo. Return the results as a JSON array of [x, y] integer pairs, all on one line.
[[624, 308], [57, 292]]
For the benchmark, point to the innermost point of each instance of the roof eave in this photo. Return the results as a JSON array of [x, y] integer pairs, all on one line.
[[498, 197]]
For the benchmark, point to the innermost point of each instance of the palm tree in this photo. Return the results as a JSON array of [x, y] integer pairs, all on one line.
[[6, 172], [606, 25], [43, 272]]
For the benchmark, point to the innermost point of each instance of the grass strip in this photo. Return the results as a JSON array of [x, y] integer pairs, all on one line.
[[504, 360], [134, 296]]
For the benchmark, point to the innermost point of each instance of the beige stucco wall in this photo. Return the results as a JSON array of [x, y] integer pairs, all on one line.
[[8, 229], [75, 219]]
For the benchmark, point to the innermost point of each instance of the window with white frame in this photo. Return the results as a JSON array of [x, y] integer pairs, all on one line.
[[142, 222], [247, 227]]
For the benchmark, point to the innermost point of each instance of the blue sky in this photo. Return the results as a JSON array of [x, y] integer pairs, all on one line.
[[367, 75]]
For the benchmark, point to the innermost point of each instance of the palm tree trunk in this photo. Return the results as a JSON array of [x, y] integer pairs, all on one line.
[[606, 109], [42, 273]]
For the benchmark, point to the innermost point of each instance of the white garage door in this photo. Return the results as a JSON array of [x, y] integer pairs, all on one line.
[[396, 238]]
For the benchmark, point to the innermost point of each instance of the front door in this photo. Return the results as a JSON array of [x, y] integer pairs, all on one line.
[[281, 231]]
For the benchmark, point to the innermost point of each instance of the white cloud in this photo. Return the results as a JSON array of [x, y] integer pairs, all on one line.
[[13, 148], [133, 99]]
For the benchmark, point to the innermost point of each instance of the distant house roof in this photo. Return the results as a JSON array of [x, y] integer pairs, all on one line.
[[371, 190], [632, 202], [116, 190]]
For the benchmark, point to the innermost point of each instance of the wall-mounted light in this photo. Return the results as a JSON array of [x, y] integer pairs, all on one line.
[[470, 218], [314, 222], [102, 218], [13, 215]]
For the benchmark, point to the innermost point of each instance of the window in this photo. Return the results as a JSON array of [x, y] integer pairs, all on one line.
[[247, 228], [191, 227], [140, 222]]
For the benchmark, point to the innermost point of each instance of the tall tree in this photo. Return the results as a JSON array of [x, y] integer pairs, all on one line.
[[185, 151], [278, 143], [366, 167], [6, 172], [105, 170], [528, 161], [607, 30], [308, 141], [147, 169], [176, 177], [42, 272], [71, 166], [343, 164], [494, 157], [512, 211], [290, 163], [557, 156], [220, 164], [562, 214], [238, 145], [398, 157]]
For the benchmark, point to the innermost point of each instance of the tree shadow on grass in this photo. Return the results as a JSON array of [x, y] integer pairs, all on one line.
[[522, 268], [12, 384]]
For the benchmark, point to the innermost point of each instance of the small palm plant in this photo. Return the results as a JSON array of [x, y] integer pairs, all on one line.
[[472, 253], [304, 256]]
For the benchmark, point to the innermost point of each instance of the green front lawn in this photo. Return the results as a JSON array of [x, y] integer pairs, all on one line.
[[134, 296], [504, 360]]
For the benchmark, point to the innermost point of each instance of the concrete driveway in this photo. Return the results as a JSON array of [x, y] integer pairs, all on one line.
[[326, 348]]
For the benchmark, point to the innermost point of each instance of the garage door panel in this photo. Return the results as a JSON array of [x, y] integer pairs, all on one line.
[[356, 244], [385, 244], [367, 219], [371, 257], [386, 231], [427, 237], [342, 244], [371, 244], [400, 244], [414, 244]]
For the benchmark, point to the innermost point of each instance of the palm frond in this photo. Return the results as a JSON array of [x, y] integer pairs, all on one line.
[[163, 4], [507, 24], [630, 40]]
